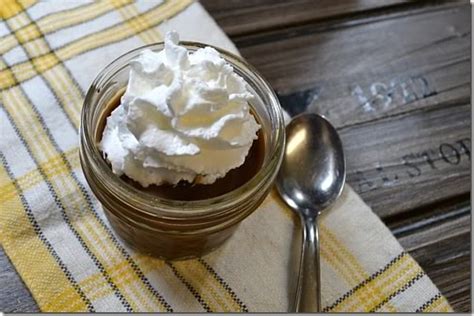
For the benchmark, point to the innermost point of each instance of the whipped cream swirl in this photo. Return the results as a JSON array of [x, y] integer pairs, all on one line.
[[184, 116]]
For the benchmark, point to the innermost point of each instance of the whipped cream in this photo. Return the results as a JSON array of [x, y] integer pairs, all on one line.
[[184, 116]]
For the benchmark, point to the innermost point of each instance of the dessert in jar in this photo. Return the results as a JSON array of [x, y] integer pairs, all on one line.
[[180, 142]]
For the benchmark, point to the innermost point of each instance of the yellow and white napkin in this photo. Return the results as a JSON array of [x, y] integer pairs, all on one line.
[[54, 231]]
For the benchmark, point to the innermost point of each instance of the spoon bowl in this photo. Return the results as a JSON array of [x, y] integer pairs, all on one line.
[[311, 177]]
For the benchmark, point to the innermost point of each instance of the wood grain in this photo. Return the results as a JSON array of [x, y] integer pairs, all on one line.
[[403, 162], [244, 17], [347, 74], [350, 75], [450, 268], [438, 237]]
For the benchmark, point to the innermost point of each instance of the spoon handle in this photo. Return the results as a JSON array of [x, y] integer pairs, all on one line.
[[308, 293]]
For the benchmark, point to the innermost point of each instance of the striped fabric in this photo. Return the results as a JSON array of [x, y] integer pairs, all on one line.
[[54, 231]]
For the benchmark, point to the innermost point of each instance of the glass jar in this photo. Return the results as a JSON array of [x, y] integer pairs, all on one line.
[[174, 229]]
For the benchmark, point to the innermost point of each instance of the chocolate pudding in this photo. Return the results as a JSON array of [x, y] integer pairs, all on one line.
[[186, 191], [185, 134]]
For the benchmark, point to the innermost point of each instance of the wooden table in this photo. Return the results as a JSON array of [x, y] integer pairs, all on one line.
[[394, 78]]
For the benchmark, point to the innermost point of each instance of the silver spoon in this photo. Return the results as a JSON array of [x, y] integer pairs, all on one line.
[[311, 177]]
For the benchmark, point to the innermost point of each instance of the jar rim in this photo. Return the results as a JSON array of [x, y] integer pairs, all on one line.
[[164, 207]]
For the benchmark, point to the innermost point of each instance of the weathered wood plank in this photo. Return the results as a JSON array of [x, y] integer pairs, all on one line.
[[243, 17], [403, 162], [448, 264], [438, 237], [349, 74], [14, 296], [428, 216]]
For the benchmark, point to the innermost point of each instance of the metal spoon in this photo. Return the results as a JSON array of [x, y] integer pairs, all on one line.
[[311, 177]]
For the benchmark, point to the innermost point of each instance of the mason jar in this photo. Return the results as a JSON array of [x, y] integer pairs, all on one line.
[[170, 228]]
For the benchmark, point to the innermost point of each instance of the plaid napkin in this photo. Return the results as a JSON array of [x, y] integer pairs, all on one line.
[[54, 231]]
